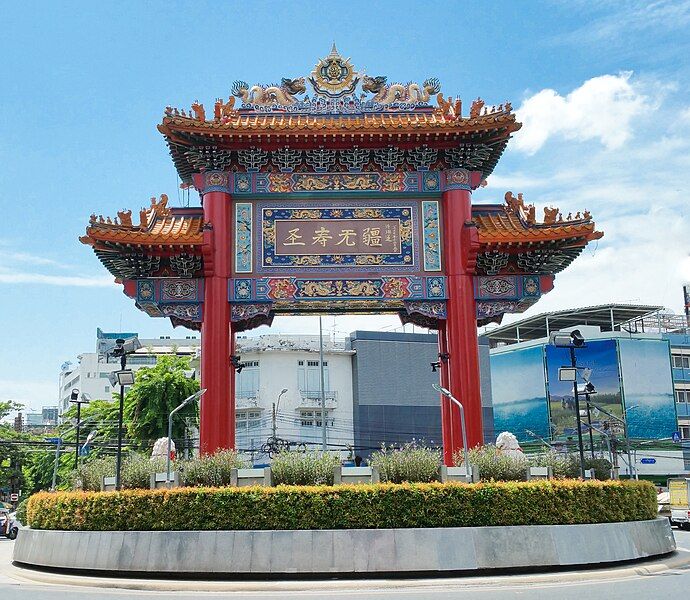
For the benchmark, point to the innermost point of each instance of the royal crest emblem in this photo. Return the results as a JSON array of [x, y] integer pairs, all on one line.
[[334, 76]]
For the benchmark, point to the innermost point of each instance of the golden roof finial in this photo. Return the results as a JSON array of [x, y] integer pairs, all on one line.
[[334, 51]]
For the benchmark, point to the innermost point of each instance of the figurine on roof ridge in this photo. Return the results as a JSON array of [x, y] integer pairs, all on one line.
[[397, 92], [282, 95]]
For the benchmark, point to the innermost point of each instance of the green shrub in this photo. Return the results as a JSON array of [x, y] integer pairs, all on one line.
[[21, 511], [347, 506], [210, 469], [304, 468], [494, 465], [137, 470], [411, 463], [568, 465], [601, 467], [563, 465], [89, 475]]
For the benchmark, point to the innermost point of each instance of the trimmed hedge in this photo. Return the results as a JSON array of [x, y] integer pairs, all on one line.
[[347, 506]]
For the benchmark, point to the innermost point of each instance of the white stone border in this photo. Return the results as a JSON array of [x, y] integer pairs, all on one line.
[[344, 551]]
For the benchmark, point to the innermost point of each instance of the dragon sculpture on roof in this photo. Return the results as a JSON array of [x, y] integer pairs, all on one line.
[[283, 94], [397, 92]]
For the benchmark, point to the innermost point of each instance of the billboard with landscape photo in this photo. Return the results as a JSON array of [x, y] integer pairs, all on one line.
[[601, 356], [648, 388], [519, 393]]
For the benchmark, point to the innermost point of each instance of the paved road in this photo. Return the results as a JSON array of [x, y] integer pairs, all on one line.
[[610, 584]]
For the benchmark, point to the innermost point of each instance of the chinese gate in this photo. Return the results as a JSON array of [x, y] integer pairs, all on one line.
[[338, 202]]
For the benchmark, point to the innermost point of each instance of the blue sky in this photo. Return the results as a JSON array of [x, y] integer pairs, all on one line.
[[601, 88]]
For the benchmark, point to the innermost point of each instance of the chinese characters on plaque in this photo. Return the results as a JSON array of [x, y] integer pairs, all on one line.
[[337, 236]]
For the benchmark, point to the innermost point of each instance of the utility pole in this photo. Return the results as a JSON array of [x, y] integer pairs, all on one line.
[[275, 414], [323, 389]]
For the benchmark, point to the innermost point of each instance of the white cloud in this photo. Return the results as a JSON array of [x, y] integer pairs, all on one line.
[[40, 278], [626, 20], [602, 108], [636, 190], [24, 267], [30, 259]]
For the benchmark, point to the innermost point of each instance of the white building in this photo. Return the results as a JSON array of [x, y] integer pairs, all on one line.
[[91, 373], [273, 363]]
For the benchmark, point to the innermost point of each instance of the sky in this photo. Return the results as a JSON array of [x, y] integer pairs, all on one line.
[[601, 88]]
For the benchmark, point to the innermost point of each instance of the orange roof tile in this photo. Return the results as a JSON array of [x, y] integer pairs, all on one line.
[[286, 123], [509, 228], [165, 230]]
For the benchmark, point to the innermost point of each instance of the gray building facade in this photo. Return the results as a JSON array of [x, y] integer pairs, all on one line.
[[393, 401]]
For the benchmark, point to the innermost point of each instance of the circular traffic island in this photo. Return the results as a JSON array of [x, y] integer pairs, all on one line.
[[345, 530]]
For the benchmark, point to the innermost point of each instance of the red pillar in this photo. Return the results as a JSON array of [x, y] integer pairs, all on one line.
[[217, 419], [461, 245]]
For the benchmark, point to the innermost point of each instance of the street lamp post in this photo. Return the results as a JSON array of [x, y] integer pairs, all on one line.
[[573, 340], [124, 377], [573, 363], [75, 398], [461, 408], [275, 412], [589, 424], [184, 403]]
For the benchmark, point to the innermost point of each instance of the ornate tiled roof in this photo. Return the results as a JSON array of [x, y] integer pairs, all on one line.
[[335, 114], [159, 226], [509, 227], [499, 226], [414, 124]]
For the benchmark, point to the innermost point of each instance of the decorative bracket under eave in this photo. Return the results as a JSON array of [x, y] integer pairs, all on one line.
[[181, 300]]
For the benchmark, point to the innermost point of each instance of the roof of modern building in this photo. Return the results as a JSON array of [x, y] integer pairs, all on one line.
[[291, 343], [609, 317]]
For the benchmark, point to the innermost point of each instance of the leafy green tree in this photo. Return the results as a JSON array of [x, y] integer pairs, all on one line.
[[13, 448], [98, 415], [156, 392]]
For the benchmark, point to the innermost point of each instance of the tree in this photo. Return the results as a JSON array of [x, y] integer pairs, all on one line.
[[13, 448], [99, 416], [156, 392]]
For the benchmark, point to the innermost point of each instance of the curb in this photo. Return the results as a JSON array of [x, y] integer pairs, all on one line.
[[679, 559]]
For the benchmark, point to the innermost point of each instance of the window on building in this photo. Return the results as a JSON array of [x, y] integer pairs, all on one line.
[[313, 418], [107, 389], [142, 360], [246, 419], [685, 432], [247, 381], [681, 362], [682, 395], [309, 378]]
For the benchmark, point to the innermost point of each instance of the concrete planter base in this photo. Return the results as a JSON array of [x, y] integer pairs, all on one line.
[[347, 552]]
